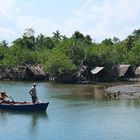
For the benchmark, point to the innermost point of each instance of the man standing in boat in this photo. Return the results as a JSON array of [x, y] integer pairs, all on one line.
[[33, 93]]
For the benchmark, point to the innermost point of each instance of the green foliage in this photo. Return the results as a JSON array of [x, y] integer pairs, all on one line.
[[4, 44], [43, 42], [56, 37], [136, 33], [107, 42], [78, 36], [134, 56], [129, 42], [58, 63], [16, 56], [60, 54], [2, 52]]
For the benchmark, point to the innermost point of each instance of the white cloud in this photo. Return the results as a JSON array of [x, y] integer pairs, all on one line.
[[40, 25], [100, 19], [106, 18], [7, 34], [7, 7]]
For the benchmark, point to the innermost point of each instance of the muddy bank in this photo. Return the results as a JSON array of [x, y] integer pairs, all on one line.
[[124, 92]]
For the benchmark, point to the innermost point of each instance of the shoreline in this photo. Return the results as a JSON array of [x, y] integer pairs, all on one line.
[[131, 91]]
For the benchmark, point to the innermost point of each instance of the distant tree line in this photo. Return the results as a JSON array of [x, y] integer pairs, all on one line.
[[60, 54]]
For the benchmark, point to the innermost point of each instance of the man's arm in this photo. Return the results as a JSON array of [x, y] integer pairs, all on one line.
[[30, 91]]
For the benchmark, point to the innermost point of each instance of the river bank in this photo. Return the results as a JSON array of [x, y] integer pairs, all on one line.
[[131, 91]]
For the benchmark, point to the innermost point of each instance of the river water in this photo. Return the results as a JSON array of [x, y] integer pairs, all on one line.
[[75, 112]]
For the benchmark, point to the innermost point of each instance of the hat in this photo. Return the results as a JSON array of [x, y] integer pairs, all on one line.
[[34, 84]]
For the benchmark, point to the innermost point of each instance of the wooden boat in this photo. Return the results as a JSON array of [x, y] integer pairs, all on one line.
[[24, 106]]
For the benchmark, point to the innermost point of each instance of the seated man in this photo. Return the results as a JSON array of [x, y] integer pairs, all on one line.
[[3, 95]]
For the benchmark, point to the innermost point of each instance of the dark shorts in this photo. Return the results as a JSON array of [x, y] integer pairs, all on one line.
[[34, 98]]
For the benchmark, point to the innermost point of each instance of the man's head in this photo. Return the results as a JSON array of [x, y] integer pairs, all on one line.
[[34, 84]]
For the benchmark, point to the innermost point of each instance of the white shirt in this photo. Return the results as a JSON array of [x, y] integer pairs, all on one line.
[[33, 91]]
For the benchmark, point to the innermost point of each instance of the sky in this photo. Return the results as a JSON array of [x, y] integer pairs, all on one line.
[[98, 18]]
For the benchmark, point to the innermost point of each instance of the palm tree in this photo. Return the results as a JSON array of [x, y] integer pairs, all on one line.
[[57, 35], [4, 43]]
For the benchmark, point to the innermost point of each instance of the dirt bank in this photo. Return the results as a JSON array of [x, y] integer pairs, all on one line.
[[124, 92]]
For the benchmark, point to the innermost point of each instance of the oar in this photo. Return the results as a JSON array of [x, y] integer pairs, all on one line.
[[12, 99]]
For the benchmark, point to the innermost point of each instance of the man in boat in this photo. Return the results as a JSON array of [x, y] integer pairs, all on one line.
[[3, 96], [33, 93]]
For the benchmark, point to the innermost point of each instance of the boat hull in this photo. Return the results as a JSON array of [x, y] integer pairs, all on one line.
[[25, 107]]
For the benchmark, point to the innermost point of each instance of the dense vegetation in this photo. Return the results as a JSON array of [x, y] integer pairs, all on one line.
[[60, 54]]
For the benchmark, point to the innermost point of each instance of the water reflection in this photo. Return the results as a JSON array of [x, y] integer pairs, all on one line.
[[36, 117], [33, 118], [133, 103], [79, 92], [74, 114]]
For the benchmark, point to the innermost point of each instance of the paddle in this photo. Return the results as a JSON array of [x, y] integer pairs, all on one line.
[[11, 99]]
